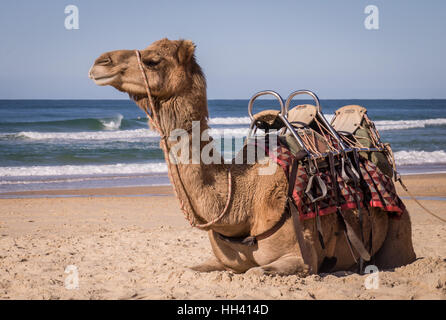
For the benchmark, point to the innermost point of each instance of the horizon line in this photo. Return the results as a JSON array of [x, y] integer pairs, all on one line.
[[99, 99]]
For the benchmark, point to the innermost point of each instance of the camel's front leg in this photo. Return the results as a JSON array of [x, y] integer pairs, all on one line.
[[212, 264], [285, 265]]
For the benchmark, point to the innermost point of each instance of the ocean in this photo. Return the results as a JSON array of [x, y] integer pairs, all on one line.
[[69, 144]]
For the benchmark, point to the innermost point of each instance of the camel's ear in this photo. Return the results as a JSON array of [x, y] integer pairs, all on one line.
[[186, 51]]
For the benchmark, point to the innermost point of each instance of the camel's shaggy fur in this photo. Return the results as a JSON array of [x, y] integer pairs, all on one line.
[[178, 86]]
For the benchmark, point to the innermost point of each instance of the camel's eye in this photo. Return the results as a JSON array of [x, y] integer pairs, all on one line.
[[104, 61], [152, 62]]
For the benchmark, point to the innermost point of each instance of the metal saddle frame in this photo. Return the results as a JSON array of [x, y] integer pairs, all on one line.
[[325, 128]]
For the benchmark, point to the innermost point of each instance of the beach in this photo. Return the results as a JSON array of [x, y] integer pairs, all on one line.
[[89, 92], [134, 243]]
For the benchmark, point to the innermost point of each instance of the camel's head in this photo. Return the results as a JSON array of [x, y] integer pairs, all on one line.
[[169, 66]]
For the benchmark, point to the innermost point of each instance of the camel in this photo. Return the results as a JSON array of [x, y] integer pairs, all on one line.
[[256, 202]]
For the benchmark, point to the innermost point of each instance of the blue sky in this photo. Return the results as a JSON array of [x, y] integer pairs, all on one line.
[[243, 46]]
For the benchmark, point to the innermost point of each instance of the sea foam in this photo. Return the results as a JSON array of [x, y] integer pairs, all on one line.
[[401, 157], [420, 157], [111, 132], [112, 124], [70, 170]]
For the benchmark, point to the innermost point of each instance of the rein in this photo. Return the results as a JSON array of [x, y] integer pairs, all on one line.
[[154, 120]]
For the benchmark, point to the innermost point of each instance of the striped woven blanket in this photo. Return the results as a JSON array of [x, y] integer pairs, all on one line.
[[377, 189]]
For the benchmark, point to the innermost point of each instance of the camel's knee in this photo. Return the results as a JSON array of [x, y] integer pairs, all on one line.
[[212, 264], [288, 264], [397, 249]]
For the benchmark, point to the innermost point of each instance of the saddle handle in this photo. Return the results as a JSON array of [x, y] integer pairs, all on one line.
[[282, 116], [263, 93], [299, 92]]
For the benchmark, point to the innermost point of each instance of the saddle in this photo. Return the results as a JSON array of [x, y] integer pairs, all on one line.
[[330, 167]]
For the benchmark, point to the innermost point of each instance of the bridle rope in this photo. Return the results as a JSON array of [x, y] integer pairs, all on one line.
[[153, 118]]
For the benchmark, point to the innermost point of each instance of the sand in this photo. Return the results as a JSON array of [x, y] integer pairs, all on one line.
[[135, 243]]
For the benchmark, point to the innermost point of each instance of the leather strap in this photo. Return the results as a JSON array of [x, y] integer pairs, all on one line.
[[352, 238], [320, 233], [252, 240], [322, 186], [292, 177]]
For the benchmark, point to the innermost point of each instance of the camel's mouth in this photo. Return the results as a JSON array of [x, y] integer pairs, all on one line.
[[103, 80], [101, 75]]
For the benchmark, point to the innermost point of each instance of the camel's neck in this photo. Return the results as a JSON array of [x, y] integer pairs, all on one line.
[[180, 113], [201, 186]]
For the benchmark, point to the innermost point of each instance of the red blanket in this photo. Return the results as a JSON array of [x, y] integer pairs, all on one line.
[[380, 191]]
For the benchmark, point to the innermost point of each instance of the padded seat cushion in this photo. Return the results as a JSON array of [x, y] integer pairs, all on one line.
[[348, 118], [302, 115], [268, 119]]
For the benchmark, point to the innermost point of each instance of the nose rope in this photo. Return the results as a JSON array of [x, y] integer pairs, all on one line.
[[153, 118]]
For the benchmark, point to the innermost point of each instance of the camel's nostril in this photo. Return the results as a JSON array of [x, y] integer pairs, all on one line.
[[90, 75]]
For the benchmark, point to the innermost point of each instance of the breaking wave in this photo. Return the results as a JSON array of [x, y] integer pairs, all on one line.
[[121, 135], [420, 157], [380, 124], [408, 124], [230, 120], [71, 170], [112, 124], [86, 135], [401, 157], [111, 129]]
